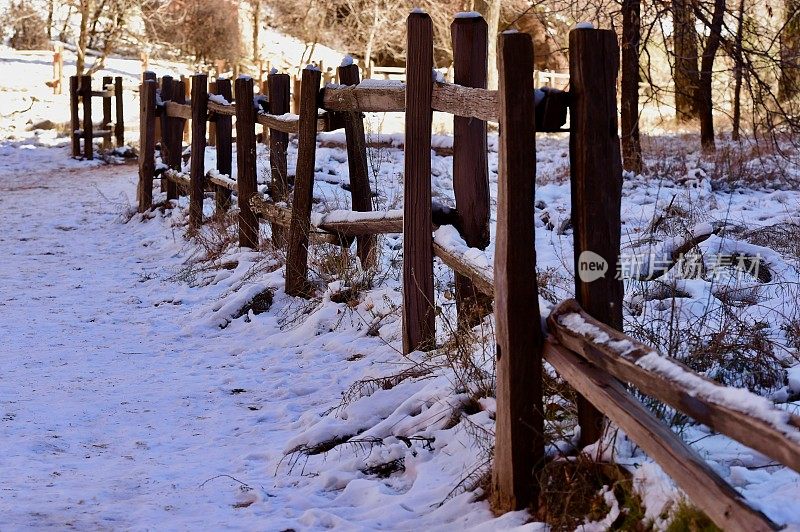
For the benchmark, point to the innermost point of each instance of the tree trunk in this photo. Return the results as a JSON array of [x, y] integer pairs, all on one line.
[[685, 72], [256, 27], [80, 63], [737, 73], [50, 19], [631, 35], [703, 97], [493, 20], [371, 38], [789, 82]]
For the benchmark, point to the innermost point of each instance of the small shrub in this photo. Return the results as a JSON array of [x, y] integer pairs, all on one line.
[[28, 29]]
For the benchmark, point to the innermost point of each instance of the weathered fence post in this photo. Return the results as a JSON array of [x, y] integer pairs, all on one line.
[[58, 68], [186, 131], [470, 163], [246, 161], [278, 90], [88, 126], [197, 171], [519, 428], [212, 123], [119, 123], [74, 117], [596, 176], [106, 125], [297, 249], [357, 164], [296, 94], [147, 143], [171, 129], [224, 141], [419, 318]]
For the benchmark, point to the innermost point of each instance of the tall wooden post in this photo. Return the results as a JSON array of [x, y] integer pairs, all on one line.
[[519, 427], [212, 124], [170, 136], [197, 172], [357, 164], [224, 142], [88, 126], [146, 75], [147, 143], [419, 318], [596, 176], [278, 90], [470, 161], [106, 125], [246, 161], [297, 249], [119, 123], [264, 91], [186, 131], [58, 68], [74, 116]]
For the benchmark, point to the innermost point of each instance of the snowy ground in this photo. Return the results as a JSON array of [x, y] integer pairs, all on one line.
[[131, 396]]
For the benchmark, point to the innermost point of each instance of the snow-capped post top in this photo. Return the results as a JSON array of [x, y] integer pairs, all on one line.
[[417, 11], [312, 67], [347, 60], [510, 32], [273, 70], [584, 26], [468, 14], [244, 77]]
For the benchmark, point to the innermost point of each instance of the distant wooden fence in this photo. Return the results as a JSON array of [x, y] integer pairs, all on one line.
[[82, 127], [583, 343]]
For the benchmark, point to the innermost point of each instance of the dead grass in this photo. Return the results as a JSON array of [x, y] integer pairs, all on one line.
[[572, 493]]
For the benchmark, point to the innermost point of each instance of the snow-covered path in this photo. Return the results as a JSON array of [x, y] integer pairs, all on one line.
[[104, 408], [121, 407]]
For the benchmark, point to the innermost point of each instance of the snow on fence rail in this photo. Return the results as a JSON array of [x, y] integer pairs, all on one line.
[[81, 93], [584, 343]]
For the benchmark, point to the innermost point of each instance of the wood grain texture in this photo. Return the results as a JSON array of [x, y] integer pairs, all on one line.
[[88, 125], [246, 162], [419, 312], [723, 504], [297, 246], [596, 183], [469, 102], [119, 121], [482, 282], [223, 130], [470, 162], [74, 115], [279, 100], [198, 152], [357, 165], [178, 110], [519, 429], [147, 143], [740, 425], [220, 109]]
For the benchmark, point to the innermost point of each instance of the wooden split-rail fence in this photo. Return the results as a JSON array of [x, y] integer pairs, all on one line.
[[582, 342], [81, 124]]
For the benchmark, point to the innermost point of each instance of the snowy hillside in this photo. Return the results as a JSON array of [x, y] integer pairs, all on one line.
[[151, 380]]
